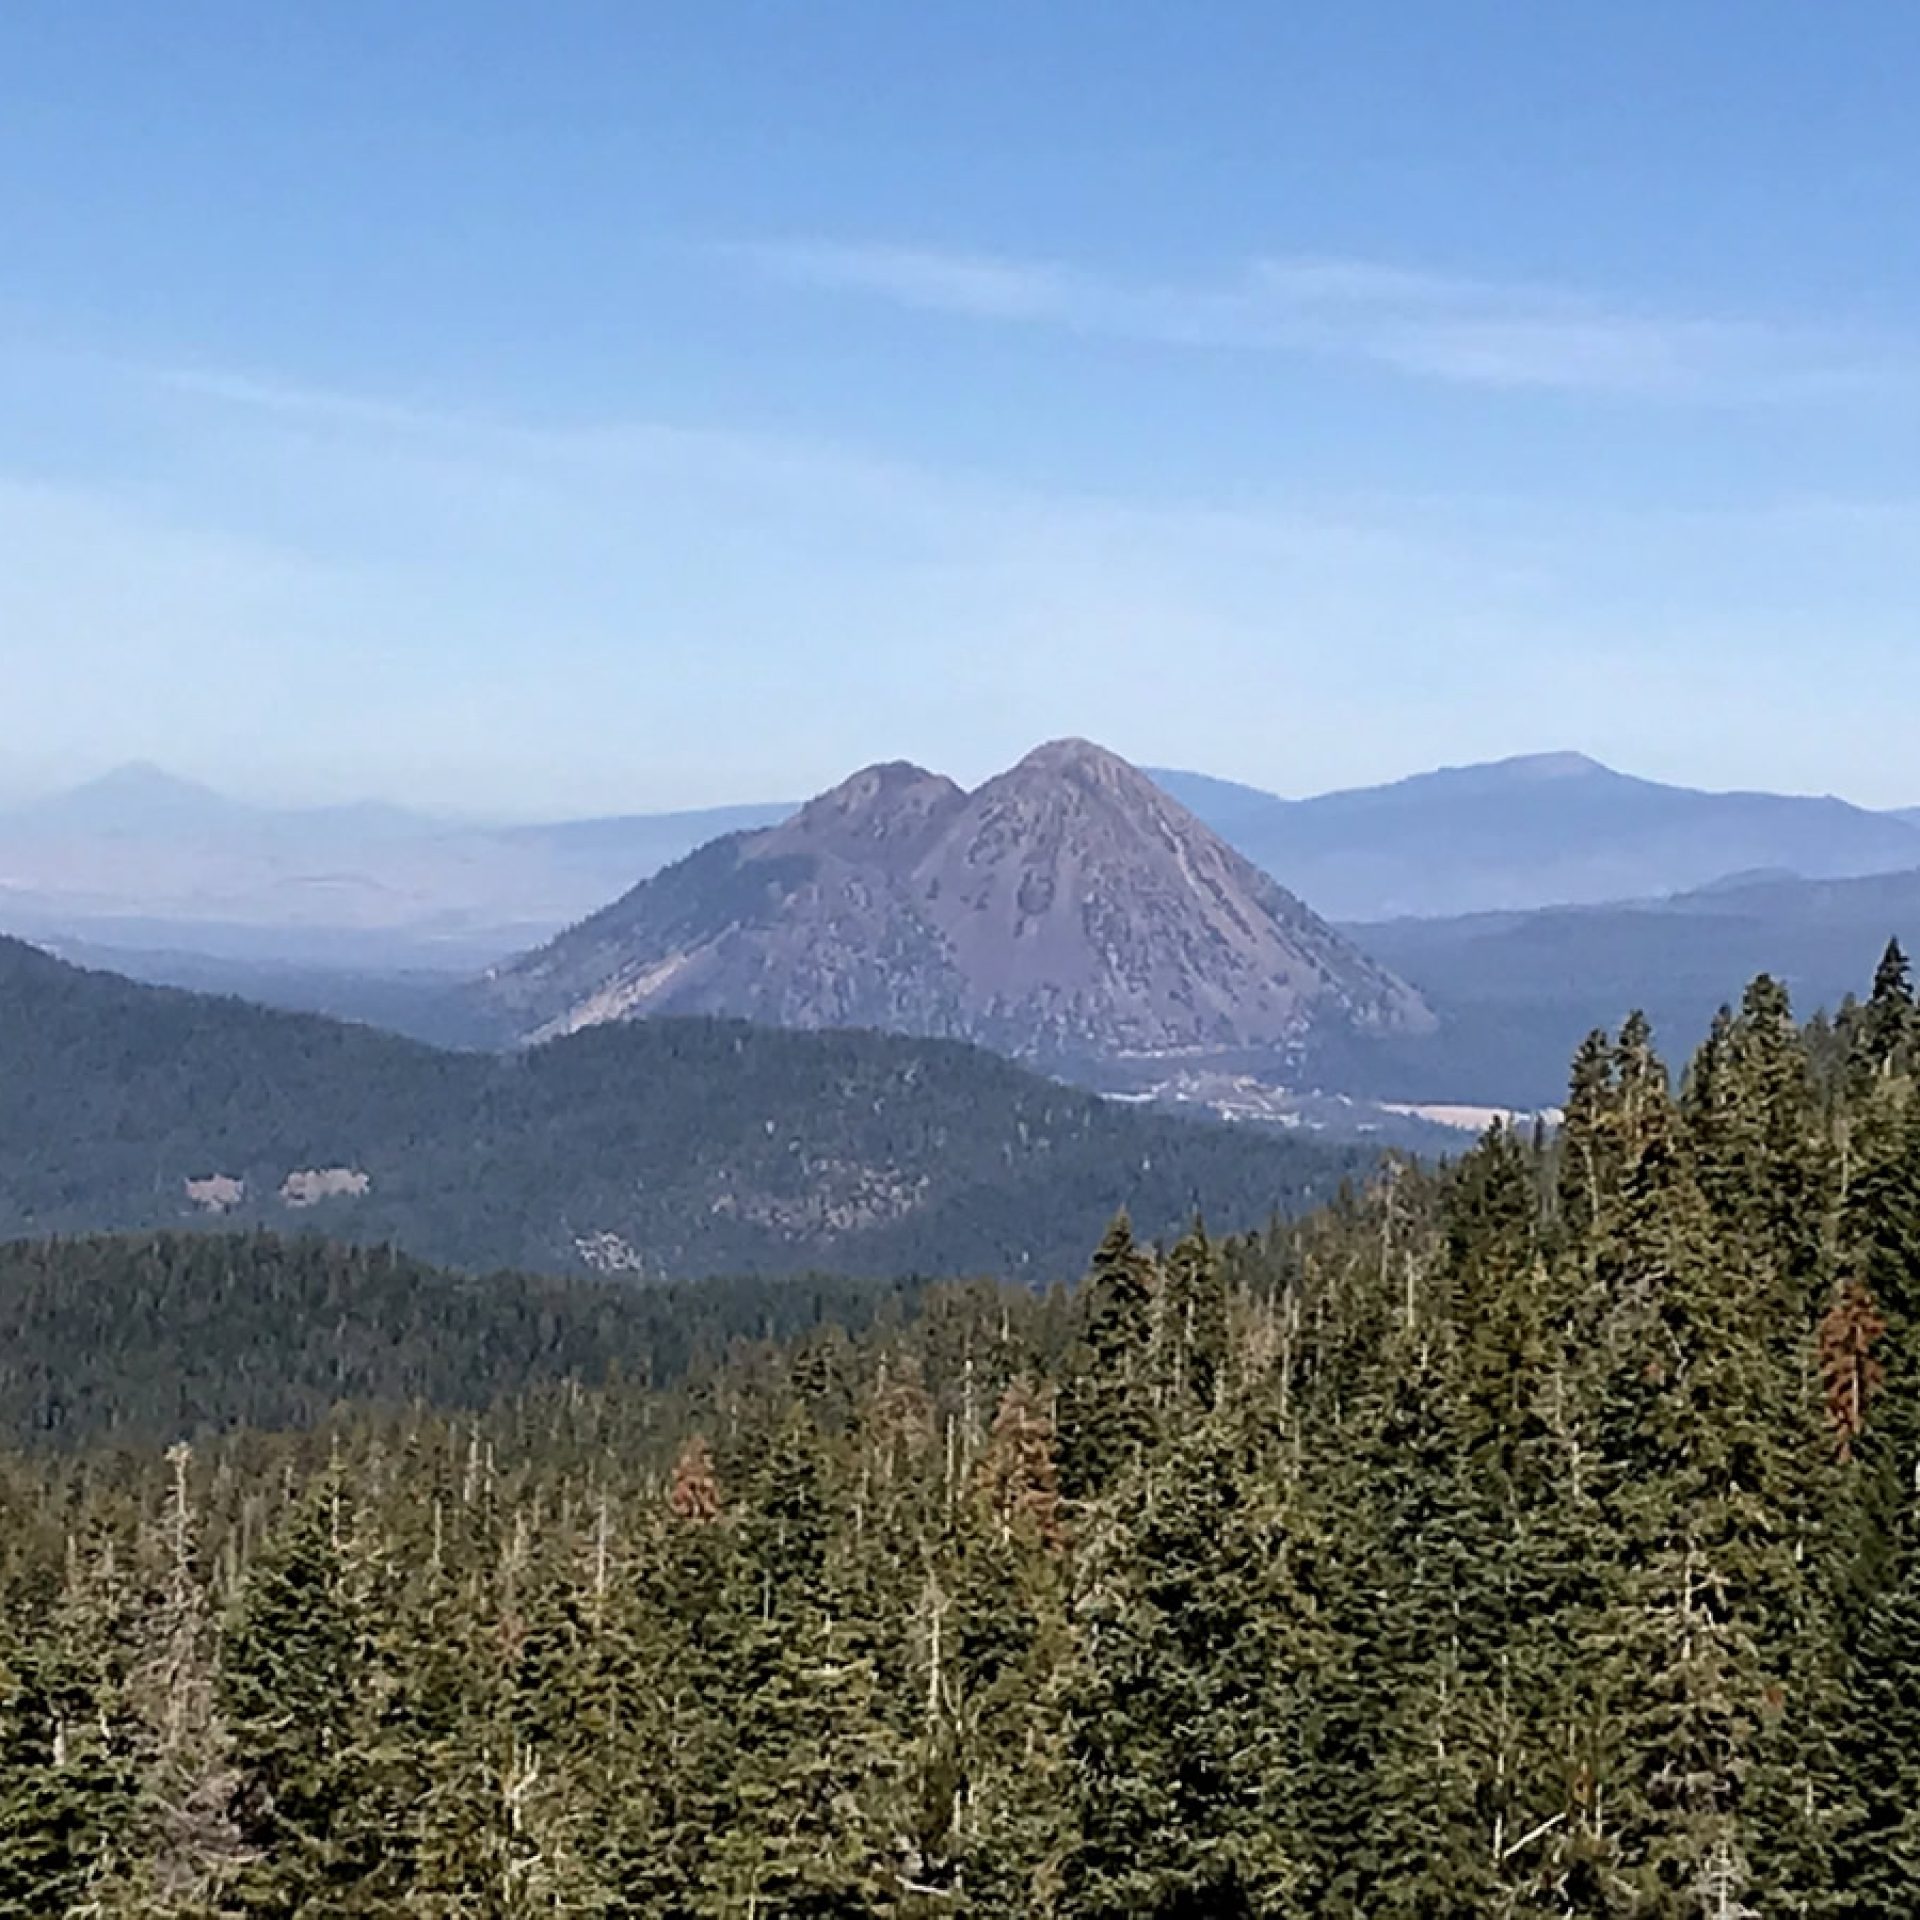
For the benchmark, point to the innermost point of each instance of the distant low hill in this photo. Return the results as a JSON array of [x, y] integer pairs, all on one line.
[[1517, 991], [143, 861], [631, 846], [1544, 829], [1067, 910], [434, 1007], [675, 1148]]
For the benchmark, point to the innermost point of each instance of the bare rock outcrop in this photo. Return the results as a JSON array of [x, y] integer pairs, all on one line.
[[1067, 908]]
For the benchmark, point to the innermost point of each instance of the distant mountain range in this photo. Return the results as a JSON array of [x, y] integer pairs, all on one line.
[[142, 862], [1513, 992], [675, 1148], [1552, 829], [1067, 910], [1524, 902]]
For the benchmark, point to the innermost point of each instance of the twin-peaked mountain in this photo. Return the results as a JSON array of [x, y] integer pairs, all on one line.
[[1066, 909]]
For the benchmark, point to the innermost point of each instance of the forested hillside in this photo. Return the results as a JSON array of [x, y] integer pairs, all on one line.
[[1515, 991], [1533, 1536], [151, 1338], [671, 1149]]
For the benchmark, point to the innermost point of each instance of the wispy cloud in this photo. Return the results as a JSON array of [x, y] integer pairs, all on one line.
[[897, 503], [489, 447], [1460, 329]]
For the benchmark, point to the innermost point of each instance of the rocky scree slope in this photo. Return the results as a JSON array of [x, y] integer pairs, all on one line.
[[1066, 909]]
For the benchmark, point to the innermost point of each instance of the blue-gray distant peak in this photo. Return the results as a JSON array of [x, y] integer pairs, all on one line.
[[1553, 766], [1527, 768], [1519, 773], [1535, 830], [1219, 801], [138, 798]]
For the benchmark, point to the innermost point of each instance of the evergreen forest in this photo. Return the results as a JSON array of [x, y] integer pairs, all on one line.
[[1535, 1534], [666, 1149]]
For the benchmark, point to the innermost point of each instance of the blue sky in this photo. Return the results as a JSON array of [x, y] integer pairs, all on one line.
[[534, 410]]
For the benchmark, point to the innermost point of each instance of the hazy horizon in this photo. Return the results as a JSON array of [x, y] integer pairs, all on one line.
[[346, 799]]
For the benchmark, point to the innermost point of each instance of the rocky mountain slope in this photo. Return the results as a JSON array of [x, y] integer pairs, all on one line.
[[1066, 909]]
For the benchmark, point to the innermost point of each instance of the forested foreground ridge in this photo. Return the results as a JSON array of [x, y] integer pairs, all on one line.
[[668, 1150], [1534, 1536]]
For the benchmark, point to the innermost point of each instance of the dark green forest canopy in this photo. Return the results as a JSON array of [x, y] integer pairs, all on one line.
[[1535, 1535], [669, 1149], [155, 1337]]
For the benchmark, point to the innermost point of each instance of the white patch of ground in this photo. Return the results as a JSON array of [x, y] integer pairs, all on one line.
[[311, 1185], [217, 1193], [1470, 1119], [608, 1253]]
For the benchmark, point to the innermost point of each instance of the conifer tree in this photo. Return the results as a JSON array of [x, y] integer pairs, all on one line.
[[1193, 1326], [1880, 1865], [1174, 1733], [1588, 1148], [1005, 1637], [1106, 1415], [813, 1802], [1751, 1126], [1884, 1028], [1689, 1655], [290, 1706], [1877, 1309], [68, 1782]]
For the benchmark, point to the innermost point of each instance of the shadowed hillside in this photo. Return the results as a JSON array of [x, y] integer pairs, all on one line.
[[673, 1148]]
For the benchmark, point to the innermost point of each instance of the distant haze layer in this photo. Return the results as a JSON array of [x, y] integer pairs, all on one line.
[[142, 861]]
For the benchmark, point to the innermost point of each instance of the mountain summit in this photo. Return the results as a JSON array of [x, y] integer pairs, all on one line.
[[1066, 909], [137, 799]]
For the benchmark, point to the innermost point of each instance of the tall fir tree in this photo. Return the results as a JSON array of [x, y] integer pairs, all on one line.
[[1106, 1414]]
